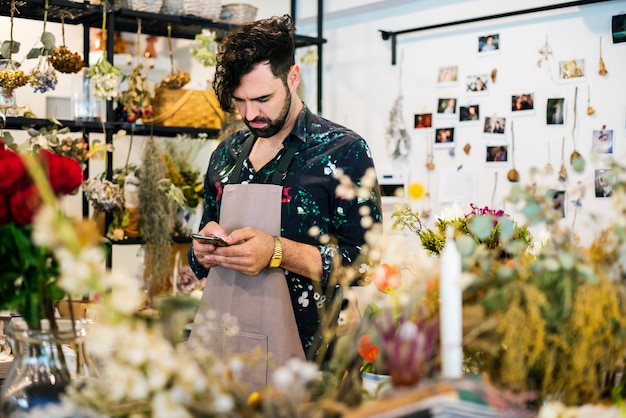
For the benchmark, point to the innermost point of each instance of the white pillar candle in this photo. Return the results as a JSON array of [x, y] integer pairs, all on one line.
[[450, 310]]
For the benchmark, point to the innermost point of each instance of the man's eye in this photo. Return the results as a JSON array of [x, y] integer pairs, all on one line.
[[263, 100]]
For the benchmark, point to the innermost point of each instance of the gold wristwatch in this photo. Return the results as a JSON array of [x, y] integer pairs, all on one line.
[[277, 257]]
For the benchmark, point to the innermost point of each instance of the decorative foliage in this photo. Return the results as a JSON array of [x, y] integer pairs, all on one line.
[[105, 77], [181, 170], [204, 48], [137, 99], [156, 221], [492, 228]]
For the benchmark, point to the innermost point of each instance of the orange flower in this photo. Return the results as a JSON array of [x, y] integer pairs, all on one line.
[[366, 348], [387, 278]]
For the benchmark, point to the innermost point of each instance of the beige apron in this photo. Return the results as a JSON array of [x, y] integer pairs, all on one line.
[[261, 304]]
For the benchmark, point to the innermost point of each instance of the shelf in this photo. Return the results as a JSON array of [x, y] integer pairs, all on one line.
[[126, 20], [186, 27], [74, 13], [84, 126]]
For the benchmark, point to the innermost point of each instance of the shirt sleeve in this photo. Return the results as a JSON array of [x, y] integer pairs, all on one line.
[[347, 219]]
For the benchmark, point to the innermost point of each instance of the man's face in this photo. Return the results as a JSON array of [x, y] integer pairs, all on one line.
[[263, 101]]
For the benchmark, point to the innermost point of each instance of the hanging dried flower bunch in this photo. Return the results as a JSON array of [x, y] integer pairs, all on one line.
[[104, 75], [10, 77], [64, 60], [43, 77], [176, 79]]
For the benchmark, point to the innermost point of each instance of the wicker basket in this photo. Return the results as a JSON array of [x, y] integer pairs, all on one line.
[[208, 9], [173, 7], [150, 6], [189, 108], [238, 13]]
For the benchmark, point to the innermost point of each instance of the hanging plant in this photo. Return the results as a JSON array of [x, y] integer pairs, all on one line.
[[176, 79], [64, 60], [103, 74], [43, 77], [136, 101], [10, 77]]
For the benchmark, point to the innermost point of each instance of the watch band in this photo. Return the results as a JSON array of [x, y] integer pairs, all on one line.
[[277, 257]]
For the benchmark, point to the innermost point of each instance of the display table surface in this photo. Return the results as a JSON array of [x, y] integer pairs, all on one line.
[[464, 398]]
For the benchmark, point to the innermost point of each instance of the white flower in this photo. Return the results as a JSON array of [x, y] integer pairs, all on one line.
[[222, 403], [283, 378], [451, 213]]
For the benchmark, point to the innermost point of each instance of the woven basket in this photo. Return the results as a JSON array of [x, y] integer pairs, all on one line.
[[189, 108], [173, 7], [238, 13], [150, 6], [208, 9]]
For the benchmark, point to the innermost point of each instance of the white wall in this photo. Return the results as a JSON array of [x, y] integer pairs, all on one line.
[[360, 86]]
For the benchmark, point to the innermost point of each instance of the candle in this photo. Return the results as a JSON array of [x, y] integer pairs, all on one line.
[[451, 327]]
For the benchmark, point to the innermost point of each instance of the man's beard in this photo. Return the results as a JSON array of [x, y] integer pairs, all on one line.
[[273, 126]]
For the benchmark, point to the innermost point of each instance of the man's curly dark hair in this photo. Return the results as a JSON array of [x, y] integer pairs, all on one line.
[[267, 40]]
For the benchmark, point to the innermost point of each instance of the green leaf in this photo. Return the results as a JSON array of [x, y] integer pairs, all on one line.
[[551, 264], [515, 247], [481, 226], [466, 245], [516, 193], [578, 164], [505, 272], [531, 212], [567, 260], [8, 139], [34, 53], [507, 228], [48, 41], [5, 49], [56, 122]]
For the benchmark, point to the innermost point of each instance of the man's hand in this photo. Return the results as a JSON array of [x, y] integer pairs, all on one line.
[[249, 252]]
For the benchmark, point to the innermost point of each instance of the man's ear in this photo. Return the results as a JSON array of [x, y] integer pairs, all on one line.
[[293, 78]]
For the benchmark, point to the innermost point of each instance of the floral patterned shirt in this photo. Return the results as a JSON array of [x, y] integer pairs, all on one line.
[[309, 201]]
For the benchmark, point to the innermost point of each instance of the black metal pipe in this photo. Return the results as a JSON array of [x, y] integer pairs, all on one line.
[[391, 35]]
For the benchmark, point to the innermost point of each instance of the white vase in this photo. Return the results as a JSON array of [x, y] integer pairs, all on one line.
[[375, 384]]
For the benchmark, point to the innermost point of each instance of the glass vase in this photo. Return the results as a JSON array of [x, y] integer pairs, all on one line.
[[85, 105], [44, 363]]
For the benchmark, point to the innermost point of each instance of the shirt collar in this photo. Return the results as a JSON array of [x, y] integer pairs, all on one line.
[[303, 124]]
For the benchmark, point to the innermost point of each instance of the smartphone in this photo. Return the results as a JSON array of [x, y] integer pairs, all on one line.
[[210, 239]]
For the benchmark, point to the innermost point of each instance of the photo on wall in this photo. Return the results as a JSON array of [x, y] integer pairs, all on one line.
[[555, 111], [477, 83], [573, 70], [469, 113], [446, 106], [523, 103], [423, 120], [494, 125], [448, 75], [444, 137], [602, 141], [604, 181], [618, 28], [558, 201], [497, 154], [489, 43]]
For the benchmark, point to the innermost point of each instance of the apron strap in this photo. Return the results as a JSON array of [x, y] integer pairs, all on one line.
[[279, 174], [281, 171]]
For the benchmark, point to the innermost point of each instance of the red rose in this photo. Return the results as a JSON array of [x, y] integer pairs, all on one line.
[[24, 204], [64, 173], [5, 215], [12, 172]]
